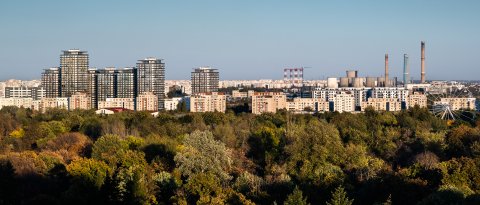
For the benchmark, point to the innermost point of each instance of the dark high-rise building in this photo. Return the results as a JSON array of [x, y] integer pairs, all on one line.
[[73, 72], [111, 83], [204, 79], [74, 76], [105, 84], [51, 82], [151, 78], [92, 86], [126, 83]]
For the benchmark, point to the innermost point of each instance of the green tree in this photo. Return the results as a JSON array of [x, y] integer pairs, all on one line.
[[296, 198], [110, 149], [339, 197], [462, 173], [89, 172], [202, 153], [444, 196], [182, 106], [361, 163], [88, 177], [205, 188], [315, 154], [132, 181], [352, 127], [265, 145], [92, 127]]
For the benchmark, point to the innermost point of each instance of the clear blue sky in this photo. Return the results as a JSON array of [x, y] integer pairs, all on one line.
[[244, 39]]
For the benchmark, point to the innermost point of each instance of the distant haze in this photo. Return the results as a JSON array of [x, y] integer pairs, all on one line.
[[247, 39]]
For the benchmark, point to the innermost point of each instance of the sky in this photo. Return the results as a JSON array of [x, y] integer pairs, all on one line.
[[245, 39]]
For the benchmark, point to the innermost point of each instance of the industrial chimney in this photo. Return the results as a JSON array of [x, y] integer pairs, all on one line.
[[422, 74], [405, 70], [386, 71]]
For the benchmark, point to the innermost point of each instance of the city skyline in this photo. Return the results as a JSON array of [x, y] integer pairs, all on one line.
[[245, 40]]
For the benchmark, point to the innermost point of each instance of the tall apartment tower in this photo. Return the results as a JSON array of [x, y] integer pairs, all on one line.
[[151, 78], [422, 64], [205, 79], [387, 80], [92, 86], [105, 84], [73, 72], [406, 76], [126, 83], [111, 83], [51, 82]]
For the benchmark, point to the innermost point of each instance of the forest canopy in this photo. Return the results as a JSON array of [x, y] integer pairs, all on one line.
[[78, 157]]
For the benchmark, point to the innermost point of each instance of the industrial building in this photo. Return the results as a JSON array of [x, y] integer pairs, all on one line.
[[352, 78], [293, 76]]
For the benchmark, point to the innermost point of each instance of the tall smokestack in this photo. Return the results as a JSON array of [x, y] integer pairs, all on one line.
[[422, 76], [386, 71], [405, 70]]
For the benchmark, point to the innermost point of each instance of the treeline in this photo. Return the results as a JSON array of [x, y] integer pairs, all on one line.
[[410, 157]]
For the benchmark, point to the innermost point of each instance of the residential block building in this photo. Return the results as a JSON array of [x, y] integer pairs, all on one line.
[[459, 103], [383, 104], [417, 98], [268, 102], [207, 102], [147, 102], [79, 100], [124, 103], [25, 92], [343, 101]]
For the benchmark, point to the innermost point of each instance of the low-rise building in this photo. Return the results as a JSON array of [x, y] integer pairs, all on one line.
[[125, 103], [207, 102], [17, 102], [48, 103], [104, 111], [109, 111], [172, 103]]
